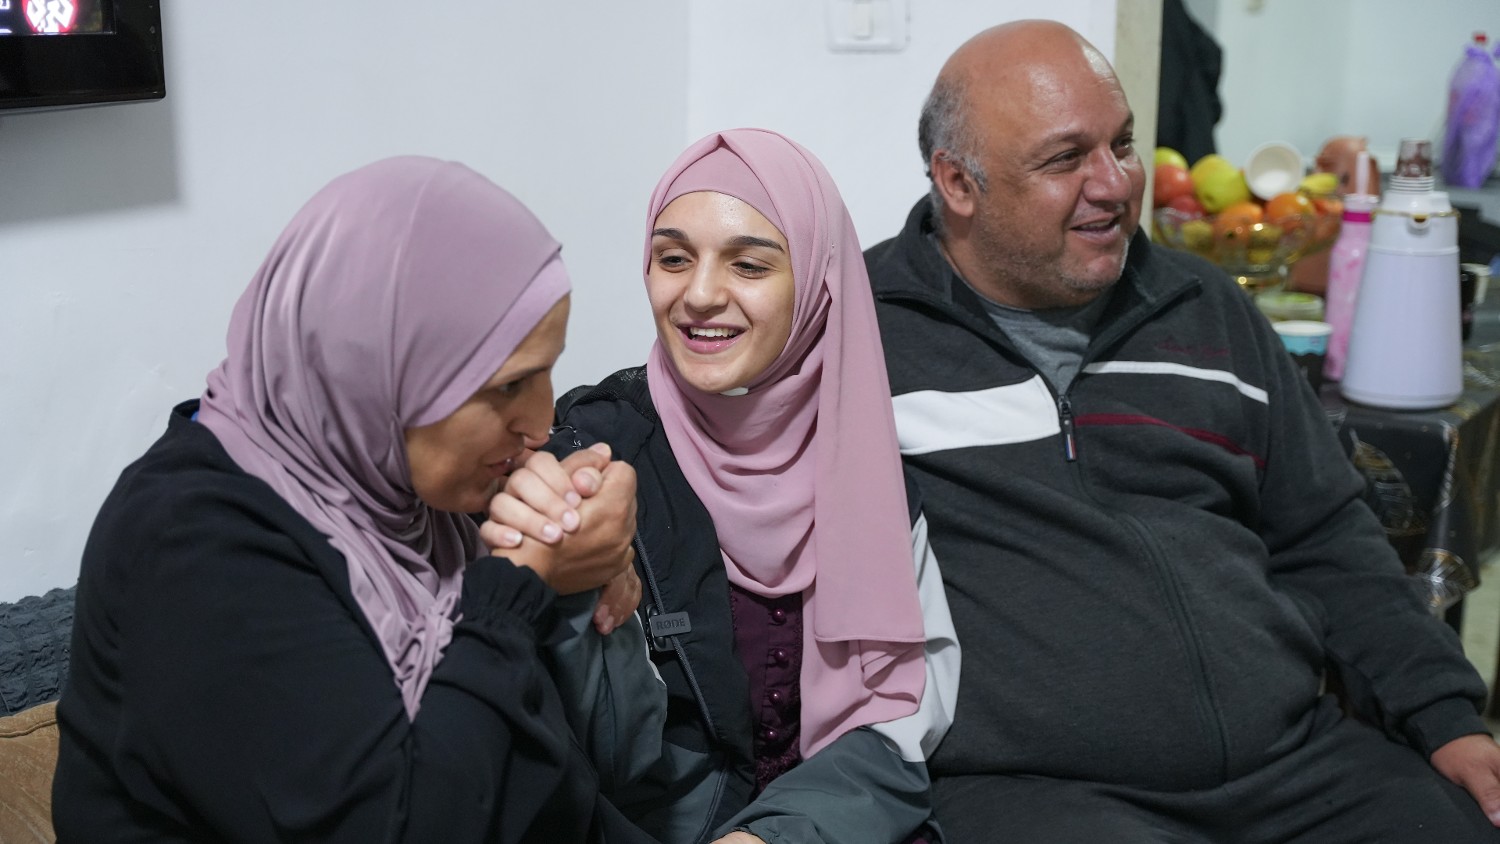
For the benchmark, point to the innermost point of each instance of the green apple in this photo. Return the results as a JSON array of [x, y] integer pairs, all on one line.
[[1210, 164], [1167, 155], [1218, 183], [1198, 235]]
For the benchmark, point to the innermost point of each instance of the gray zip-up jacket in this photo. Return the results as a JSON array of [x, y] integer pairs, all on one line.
[[1151, 571]]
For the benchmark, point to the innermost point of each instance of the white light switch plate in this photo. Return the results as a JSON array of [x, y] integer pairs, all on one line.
[[867, 25]]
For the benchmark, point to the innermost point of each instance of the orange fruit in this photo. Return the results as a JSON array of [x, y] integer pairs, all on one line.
[[1285, 205], [1237, 216], [1328, 206]]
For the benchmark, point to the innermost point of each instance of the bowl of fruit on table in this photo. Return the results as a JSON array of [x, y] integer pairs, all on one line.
[[1209, 210]]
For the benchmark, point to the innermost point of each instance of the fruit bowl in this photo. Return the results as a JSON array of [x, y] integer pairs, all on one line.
[[1257, 254]]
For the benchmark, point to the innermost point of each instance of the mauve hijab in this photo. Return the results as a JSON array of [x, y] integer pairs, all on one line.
[[388, 301], [802, 475]]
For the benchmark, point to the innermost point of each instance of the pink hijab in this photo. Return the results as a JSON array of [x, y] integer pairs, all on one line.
[[802, 475], [388, 301]]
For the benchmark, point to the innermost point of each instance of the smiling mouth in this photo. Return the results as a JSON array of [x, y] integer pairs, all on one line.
[[705, 340], [697, 333], [1102, 234], [1099, 226]]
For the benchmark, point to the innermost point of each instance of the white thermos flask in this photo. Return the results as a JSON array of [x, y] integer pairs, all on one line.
[[1405, 348]]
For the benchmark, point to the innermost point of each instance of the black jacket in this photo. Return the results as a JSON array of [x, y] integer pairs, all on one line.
[[854, 790], [1149, 572], [225, 686]]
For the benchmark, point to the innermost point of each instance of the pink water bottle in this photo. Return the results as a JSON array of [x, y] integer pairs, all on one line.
[[1346, 263]]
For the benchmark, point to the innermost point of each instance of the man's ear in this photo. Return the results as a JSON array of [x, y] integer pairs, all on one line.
[[956, 186]]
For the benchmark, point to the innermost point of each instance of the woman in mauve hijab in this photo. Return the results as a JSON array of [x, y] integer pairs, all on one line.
[[286, 627], [794, 607]]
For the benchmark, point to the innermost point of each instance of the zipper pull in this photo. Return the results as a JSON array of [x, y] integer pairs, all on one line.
[[1065, 416], [558, 429]]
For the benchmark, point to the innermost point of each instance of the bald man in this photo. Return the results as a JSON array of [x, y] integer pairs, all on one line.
[[1153, 544]]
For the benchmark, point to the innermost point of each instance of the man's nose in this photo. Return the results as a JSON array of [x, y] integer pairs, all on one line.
[[1109, 178]]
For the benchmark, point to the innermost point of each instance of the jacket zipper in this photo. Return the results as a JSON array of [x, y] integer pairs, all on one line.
[[1208, 706], [1204, 701], [1207, 709], [1065, 419]]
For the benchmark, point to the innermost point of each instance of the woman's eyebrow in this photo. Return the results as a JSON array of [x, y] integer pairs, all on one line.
[[502, 378], [751, 240], [741, 240]]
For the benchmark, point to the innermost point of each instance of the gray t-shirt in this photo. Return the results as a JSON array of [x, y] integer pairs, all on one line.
[[1053, 340]]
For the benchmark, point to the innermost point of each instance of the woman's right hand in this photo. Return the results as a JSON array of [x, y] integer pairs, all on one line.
[[530, 521]]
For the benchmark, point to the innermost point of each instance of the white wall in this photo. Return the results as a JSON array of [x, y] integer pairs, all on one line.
[[127, 232], [856, 112], [1303, 71]]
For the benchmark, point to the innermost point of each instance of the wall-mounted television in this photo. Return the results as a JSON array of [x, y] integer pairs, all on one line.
[[68, 53]]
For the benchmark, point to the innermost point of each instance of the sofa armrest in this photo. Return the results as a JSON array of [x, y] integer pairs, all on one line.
[[28, 758]]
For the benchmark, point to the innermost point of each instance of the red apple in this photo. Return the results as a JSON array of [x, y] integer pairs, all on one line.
[[1170, 181], [1187, 204]]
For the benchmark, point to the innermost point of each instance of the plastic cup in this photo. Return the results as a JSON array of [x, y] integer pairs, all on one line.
[[1273, 169], [1307, 342]]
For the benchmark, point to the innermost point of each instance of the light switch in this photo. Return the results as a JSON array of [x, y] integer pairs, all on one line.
[[867, 25], [864, 19]]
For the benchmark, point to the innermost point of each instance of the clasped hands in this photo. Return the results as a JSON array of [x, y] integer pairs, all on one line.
[[571, 521]]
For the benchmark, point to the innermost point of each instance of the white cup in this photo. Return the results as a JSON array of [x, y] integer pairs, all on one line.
[[1273, 168]]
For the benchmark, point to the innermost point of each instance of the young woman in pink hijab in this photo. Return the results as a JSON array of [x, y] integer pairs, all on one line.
[[795, 610], [286, 627]]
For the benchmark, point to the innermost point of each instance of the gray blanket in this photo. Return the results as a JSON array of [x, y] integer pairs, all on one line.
[[34, 636]]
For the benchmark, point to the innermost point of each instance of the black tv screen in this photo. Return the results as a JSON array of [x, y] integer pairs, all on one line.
[[63, 53]]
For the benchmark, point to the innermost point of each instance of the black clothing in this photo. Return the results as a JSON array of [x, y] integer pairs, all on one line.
[[1188, 104], [225, 685], [1347, 785], [856, 789], [1151, 570]]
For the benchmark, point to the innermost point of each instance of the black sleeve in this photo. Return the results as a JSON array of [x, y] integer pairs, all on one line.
[[1401, 666], [258, 706]]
